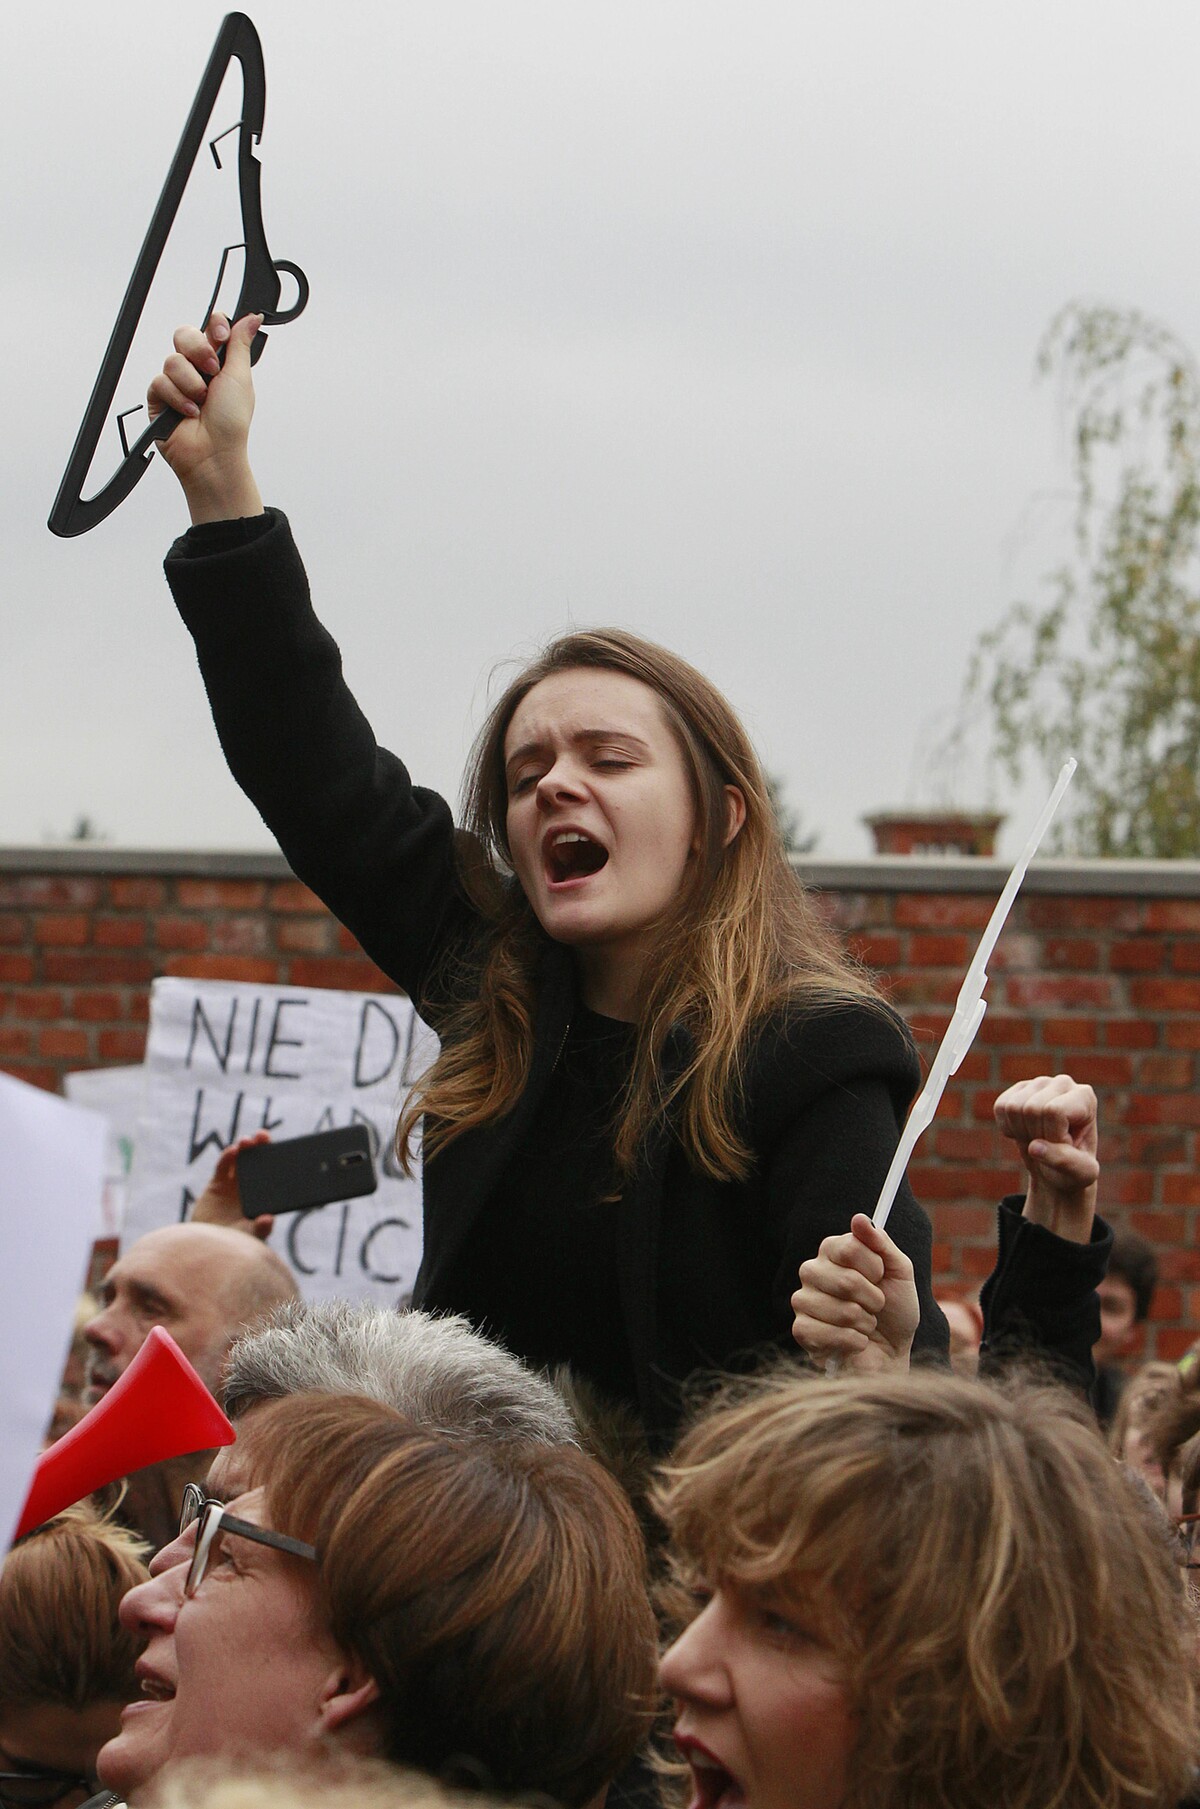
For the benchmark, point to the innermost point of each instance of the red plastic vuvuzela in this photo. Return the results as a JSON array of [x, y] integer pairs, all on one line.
[[158, 1409]]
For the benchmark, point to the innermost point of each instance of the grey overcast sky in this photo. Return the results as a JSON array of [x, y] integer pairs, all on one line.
[[716, 321]]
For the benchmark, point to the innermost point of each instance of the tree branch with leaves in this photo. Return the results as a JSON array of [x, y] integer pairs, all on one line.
[[1108, 667]]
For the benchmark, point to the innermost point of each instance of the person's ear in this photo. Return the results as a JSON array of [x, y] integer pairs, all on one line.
[[349, 1693], [736, 805]]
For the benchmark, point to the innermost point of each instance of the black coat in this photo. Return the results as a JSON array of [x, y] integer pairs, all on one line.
[[705, 1270]]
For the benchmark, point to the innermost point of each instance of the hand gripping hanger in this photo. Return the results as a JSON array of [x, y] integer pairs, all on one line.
[[73, 513]]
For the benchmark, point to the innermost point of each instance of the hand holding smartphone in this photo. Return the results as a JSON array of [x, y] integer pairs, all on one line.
[[302, 1172]]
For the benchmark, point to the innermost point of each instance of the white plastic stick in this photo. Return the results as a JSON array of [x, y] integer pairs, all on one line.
[[968, 1011]]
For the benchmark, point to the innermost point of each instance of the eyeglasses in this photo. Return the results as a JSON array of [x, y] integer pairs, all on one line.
[[1187, 1526], [39, 1789], [213, 1522]]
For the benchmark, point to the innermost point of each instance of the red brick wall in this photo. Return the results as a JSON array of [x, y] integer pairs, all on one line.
[[1097, 973], [80, 945]]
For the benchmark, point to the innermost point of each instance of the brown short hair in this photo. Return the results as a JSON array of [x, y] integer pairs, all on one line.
[[60, 1641], [1132, 1258], [1011, 1623], [495, 1591], [1170, 1424]]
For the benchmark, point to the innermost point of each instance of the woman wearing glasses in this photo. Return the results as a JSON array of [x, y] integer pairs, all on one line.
[[466, 1609], [66, 1665]]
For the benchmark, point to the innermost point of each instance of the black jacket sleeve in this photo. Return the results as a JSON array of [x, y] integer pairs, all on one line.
[[378, 850], [1040, 1302]]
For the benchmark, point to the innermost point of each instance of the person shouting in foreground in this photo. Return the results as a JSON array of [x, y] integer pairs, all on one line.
[[911, 1589]]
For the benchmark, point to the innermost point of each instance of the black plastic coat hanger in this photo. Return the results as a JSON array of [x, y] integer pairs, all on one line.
[[73, 513]]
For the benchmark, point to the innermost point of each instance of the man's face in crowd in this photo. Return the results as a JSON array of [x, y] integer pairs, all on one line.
[[182, 1278], [1119, 1329]]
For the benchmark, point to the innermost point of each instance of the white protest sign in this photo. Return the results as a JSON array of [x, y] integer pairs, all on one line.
[[51, 1174], [117, 1094], [225, 1059]]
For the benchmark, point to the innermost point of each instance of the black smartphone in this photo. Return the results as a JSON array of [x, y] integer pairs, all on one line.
[[302, 1172]]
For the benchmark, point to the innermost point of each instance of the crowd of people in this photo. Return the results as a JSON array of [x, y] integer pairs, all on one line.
[[416, 1575], [671, 1485]]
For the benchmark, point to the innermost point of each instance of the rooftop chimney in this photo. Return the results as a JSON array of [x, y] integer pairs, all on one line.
[[949, 832]]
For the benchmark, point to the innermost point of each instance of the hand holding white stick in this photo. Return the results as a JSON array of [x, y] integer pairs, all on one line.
[[968, 1010], [857, 1302]]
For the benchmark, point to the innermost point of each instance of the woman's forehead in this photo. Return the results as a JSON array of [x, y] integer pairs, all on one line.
[[249, 1505], [584, 699]]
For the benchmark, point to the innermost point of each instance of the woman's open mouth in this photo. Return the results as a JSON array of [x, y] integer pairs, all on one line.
[[157, 1691], [152, 1687], [571, 855], [712, 1786]]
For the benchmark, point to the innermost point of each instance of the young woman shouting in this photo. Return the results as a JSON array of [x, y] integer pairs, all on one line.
[[661, 1082]]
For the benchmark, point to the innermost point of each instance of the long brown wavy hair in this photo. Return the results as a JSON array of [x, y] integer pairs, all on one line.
[[742, 937]]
